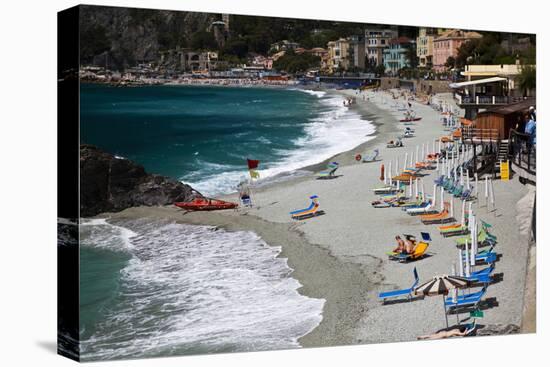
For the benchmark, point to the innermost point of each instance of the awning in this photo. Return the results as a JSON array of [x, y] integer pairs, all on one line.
[[479, 81]]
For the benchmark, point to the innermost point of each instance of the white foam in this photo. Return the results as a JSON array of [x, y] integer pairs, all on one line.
[[317, 93], [196, 289], [335, 130], [101, 234]]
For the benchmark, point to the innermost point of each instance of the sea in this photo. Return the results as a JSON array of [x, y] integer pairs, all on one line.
[[203, 135], [152, 287]]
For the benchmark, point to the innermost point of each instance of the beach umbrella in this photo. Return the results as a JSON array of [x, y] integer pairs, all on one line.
[[423, 191], [416, 188], [441, 285], [467, 180], [433, 146], [439, 146], [441, 203], [382, 173], [461, 177], [463, 221], [405, 161], [460, 262], [492, 195], [452, 212], [396, 166], [467, 258], [434, 196], [411, 160], [417, 154], [474, 241], [487, 192], [410, 187], [389, 173], [477, 189]]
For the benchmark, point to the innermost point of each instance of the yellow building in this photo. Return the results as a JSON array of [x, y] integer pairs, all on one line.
[[338, 55]]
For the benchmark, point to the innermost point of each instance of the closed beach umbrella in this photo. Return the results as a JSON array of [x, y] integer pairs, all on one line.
[[434, 196], [405, 161], [417, 154], [463, 221], [410, 187], [382, 173], [389, 173], [467, 258], [452, 212], [441, 203], [441, 285]]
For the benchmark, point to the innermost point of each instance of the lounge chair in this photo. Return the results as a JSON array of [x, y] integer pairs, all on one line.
[[419, 251], [441, 217], [371, 156], [308, 212], [329, 172], [483, 237], [408, 292], [426, 208], [466, 300]]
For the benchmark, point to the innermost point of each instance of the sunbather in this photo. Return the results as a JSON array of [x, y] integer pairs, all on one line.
[[409, 246], [460, 331], [400, 245]]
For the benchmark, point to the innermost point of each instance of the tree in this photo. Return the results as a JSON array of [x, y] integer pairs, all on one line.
[[203, 41], [412, 58], [293, 63], [451, 62], [527, 79], [380, 69]]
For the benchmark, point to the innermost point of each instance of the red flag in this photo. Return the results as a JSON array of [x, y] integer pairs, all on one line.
[[252, 163]]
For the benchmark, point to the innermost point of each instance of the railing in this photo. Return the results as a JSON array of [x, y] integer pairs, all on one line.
[[522, 152], [485, 100], [480, 135]]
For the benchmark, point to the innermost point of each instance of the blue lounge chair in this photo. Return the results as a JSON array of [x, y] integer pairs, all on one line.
[[400, 292], [466, 300], [329, 172]]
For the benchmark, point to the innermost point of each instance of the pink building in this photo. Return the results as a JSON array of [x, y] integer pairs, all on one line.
[[447, 45]]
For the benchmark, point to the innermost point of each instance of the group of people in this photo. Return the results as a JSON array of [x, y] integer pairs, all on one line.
[[404, 246], [349, 101], [531, 125]]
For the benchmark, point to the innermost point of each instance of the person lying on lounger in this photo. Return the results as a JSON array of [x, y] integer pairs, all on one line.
[[460, 331], [409, 246], [400, 245]]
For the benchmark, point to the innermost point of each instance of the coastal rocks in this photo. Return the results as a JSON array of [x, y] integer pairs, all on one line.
[[109, 184], [498, 329]]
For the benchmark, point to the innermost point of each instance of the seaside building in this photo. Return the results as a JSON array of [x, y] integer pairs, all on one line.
[[488, 86], [357, 51], [376, 41], [338, 55], [284, 45], [447, 44], [425, 46], [396, 55]]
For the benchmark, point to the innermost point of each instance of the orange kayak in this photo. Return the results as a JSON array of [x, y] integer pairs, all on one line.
[[205, 204]]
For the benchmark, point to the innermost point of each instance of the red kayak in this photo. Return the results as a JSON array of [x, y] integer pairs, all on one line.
[[205, 204], [410, 120]]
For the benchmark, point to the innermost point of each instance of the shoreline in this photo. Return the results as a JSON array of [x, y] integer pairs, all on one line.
[[348, 269]]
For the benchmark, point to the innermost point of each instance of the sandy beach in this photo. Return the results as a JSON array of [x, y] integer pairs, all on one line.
[[341, 256]]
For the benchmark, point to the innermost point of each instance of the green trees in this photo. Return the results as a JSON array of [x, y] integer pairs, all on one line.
[[93, 41], [293, 63], [527, 79], [203, 41]]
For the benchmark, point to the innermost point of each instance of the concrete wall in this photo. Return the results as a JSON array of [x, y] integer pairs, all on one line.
[[389, 83]]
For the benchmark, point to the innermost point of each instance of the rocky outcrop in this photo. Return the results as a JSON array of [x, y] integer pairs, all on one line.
[[118, 37], [498, 329], [110, 184]]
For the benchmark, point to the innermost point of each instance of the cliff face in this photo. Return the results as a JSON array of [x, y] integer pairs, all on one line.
[[121, 37], [110, 184]]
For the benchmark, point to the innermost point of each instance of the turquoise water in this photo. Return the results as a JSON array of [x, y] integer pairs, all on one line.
[[203, 135], [156, 288]]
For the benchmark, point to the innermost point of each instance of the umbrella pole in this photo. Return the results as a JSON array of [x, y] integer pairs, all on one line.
[[445, 309]]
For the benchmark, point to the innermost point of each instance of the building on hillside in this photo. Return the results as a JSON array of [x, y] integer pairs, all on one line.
[[262, 61], [357, 51], [425, 46], [338, 55], [183, 59], [396, 55], [376, 40], [284, 45], [447, 44]]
